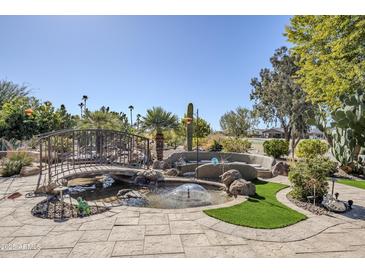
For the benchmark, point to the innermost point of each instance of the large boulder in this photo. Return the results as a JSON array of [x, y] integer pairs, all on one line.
[[333, 204], [230, 176], [173, 172], [151, 175], [156, 164], [29, 171], [242, 187], [161, 165], [46, 189], [132, 197], [281, 168]]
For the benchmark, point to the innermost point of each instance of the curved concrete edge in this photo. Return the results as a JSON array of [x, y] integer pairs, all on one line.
[[281, 196], [300, 231]]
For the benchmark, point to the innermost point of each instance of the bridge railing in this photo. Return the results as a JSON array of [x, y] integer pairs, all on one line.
[[66, 151]]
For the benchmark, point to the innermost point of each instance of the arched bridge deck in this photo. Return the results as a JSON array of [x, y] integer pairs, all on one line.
[[70, 152]]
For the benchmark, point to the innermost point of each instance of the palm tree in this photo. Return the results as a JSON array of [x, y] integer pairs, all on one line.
[[10, 91], [81, 105], [100, 120], [157, 119], [138, 120], [131, 108], [84, 99]]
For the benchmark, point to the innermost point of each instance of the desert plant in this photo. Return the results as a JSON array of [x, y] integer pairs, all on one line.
[[216, 146], [14, 162], [189, 130], [276, 148], [236, 145], [11, 168], [62, 145], [100, 119], [349, 133], [308, 176], [311, 148], [21, 156], [207, 142], [158, 120]]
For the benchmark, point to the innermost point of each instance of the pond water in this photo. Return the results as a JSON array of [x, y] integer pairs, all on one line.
[[155, 195]]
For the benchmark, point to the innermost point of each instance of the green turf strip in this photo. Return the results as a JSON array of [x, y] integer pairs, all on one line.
[[261, 211], [354, 183]]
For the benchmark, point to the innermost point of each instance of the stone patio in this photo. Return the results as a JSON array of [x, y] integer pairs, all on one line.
[[144, 232]]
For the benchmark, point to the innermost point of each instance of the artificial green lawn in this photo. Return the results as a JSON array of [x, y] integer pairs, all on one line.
[[354, 183], [260, 211]]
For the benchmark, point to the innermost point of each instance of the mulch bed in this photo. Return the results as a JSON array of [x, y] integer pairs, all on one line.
[[57, 210], [315, 209]]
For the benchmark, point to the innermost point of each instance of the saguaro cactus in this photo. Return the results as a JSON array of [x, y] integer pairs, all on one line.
[[190, 129]]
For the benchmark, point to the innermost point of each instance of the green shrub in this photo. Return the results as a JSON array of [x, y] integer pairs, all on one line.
[[14, 163], [22, 157], [207, 142], [11, 168], [276, 148], [216, 146], [63, 145], [236, 145], [311, 148], [304, 175]]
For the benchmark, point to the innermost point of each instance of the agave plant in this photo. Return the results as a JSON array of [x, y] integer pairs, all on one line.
[[158, 120]]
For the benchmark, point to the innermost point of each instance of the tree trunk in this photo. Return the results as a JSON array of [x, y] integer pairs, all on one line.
[[287, 130], [159, 146], [294, 142]]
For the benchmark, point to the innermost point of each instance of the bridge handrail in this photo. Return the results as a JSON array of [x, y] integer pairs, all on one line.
[[101, 147], [57, 132]]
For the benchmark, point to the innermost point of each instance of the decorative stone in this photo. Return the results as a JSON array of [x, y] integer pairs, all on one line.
[[47, 188], [137, 157], [172, 172], [132, 197], [156, 164], [151, 175], [29, 170], [161, 165], [280, 168], [165, 165], [242, 187], [334, 205], [230, 176]]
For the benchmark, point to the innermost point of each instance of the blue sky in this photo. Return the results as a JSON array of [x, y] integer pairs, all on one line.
[[145, 61]]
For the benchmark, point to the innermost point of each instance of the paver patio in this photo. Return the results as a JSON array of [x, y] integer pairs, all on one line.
[[145, 232]]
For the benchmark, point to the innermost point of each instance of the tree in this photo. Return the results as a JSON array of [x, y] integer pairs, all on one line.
[[131, 108], [81, 105], [237, 123], [84, 99], [331, 55], [201, 128], [158, 120], [101, 119], [14, 122], [278, 97], [66, 120], [10, 91]]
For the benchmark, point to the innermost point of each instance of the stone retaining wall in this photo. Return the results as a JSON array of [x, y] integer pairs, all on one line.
[[190, 156]]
